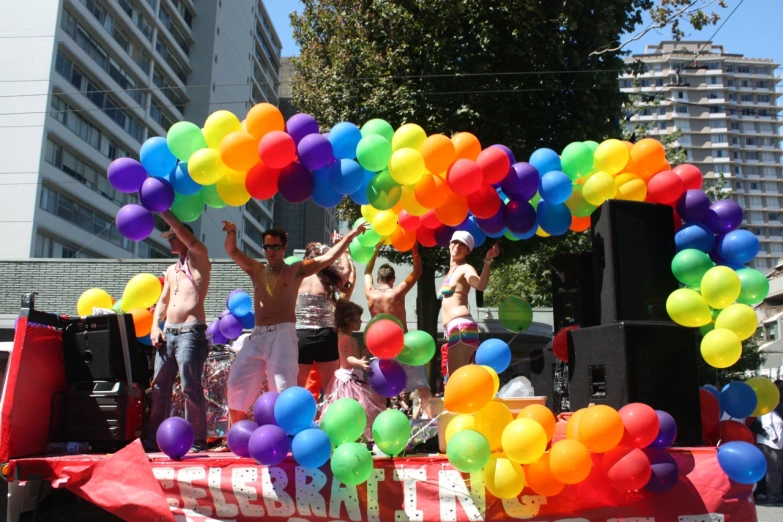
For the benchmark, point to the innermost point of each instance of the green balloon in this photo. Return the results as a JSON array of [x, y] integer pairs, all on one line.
[[707, 328], [577, 160], [515, 314], [117, 306], [351, 463], [378, 317], [344, 421], [577, 204], [210, 197], [468, 451], [373, 152], [690, 265], [418, 349], [187, 208], [511, 237], [369, 238], [360, 253], [185, 138], [383, 192], [290, 260], [391, 431], [535, 199], [754, 284], [379, 127], [592, 144]]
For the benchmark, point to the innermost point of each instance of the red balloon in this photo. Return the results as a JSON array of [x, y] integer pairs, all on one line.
[[627, 468], [430, 220], [485, 202], [641, 424], [494, 163], [261, 180], [464, 177], [426, 237], [664, 187], [277, 149], [408, 222], [730, 431], [677, 221], [690, 175], [710, 412], [560, 343], [384, 339]]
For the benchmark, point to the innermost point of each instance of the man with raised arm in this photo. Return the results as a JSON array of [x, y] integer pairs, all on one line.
[[272, 347], [389, 300], [182, 344]]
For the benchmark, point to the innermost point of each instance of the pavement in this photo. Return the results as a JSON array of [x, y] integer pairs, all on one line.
[[769, 512]]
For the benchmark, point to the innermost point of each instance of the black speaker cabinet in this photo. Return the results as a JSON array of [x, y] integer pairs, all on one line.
[[573, 293], [653, 363], [633, 246]]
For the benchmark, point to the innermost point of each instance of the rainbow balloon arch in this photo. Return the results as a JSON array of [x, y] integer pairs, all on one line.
[[417, 188]]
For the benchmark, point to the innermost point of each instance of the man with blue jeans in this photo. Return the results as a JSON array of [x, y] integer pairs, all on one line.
[[182, 344]]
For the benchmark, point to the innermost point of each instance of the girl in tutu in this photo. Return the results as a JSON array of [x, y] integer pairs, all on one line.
[[348, 380]]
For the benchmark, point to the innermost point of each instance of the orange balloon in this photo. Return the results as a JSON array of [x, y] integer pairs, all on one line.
[[239, 151], [570, 462], [542, 415], [468, 389], [403, 240], [397, 208], [142, 321], [466, 146], [430, 191], [601, 428], [454, 211], [438, 153], [647, 157], [263, 118], [538, 476], [580, 224], [572, 428]]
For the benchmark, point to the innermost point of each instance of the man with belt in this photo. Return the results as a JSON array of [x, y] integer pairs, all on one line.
[[182, 344], [272, 347]]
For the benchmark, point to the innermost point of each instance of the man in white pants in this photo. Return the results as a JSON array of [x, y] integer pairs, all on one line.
[[272, 346]]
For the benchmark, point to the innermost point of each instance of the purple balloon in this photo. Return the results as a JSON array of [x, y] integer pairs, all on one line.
[[387, 377], [269, 445], [521, 182], [300, 125], [295, 183], [443, 236], [315, 151], [665, 472], [175, 437], [518, 216], [126, 175], [494, 224], [156, 194], [693, 206], [214, 330], [230, 326], [264, 408], [238, 437], [667, 433], [724, 216], [135, 222]]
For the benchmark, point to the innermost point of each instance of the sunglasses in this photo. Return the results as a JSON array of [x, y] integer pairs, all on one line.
[[267, 248]]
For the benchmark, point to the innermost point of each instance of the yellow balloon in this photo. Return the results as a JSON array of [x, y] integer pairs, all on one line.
[[410, 203], [721, 348], [598, 188], [767, 395], [142, 291], [503, 478], [611, 156], [409, 136], [384, 222], [740, 319], [630, 187], [491, 420], [524, 441], [369, 212], [495, 378], [233, 190], [235, 176], [720, 286], [540, 232], [218, 125], [406, 166], [205, 166], [463, 421], [93, 298], [688, 308]]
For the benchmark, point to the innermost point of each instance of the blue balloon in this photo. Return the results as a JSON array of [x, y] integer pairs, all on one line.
[[742, 462], [345, 137], [499, 234], [738, 246], [311, 448], [545, 160], [248, 320], [555, 220], [494, 225], [295, 410], [694, 235], [346, 176], [713, 390], [555, 187], [470, 226], [494, 353], [143, 340], [519, 216], [738, 399], [360, 196], [239, 304], [323, 194], [527, 235], [181, 180], [156, 158]]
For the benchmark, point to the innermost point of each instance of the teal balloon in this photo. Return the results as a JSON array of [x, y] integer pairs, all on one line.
[[418, 349], [391, 431], [515, 314], [754, 286], [690, 265]]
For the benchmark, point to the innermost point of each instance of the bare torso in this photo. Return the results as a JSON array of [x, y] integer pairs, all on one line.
[[457, 305], [387, 301], [274, 294], [186, 297]]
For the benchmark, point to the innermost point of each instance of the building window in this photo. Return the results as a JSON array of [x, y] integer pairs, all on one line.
[[65, 114], [755, 201], [754, 185], [753, 156], [249, 250], [743, 69], [750, 141], [165, 17], [661, 125], [718, 109], [714, 80], [735, 126], [752, 171], [252, 232], [730, 83], [184, 11], [134, 14], [159, 115], [746, 98], [763, 99], [774, 216], [133, 50], [719, 138], [173, 62], [681, 109], [48, 247], [771, 331]]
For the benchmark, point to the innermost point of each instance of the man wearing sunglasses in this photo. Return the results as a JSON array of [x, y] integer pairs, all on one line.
[[272, 347]]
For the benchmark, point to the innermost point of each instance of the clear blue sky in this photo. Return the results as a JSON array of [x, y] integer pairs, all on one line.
[[755, 29]]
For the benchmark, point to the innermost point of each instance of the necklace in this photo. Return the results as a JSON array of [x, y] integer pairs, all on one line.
[[270, 291], [384, 289]]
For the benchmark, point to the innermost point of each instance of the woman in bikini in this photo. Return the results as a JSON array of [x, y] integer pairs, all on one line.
[[461, 331]]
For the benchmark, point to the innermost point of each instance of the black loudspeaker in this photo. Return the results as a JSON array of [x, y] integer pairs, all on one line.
[[653, 363], [633, 246], [93, 350], [573, 292]]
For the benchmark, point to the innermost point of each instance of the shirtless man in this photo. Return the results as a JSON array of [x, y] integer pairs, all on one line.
[[272, 346], [389, 300], [182, 344]]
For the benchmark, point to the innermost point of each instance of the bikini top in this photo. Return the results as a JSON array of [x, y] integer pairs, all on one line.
[[446, 289]]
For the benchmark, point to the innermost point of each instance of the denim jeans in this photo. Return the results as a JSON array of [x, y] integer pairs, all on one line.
[[186, 352]]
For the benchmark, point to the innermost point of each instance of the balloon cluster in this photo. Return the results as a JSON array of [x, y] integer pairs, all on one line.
[[237, 317]]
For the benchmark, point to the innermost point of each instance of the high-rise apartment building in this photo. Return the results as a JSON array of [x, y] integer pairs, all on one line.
[[84, 82], [726, 107]]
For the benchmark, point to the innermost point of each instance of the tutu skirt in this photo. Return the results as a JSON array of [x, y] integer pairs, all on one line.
[[346, 383]]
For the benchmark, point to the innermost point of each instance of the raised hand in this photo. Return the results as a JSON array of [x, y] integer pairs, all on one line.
[[229, 228], [493, 252]]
